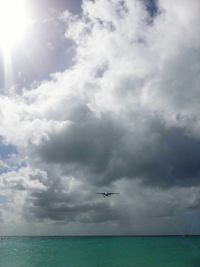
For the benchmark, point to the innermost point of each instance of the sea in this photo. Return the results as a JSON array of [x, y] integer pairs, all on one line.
[[100, 251]]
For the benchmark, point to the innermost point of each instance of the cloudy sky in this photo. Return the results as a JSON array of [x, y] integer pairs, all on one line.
[[98, 96]]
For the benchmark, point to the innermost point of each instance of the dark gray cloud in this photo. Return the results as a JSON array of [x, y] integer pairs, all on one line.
[[88, 145], [102, 151], [63, 207], [106, 150], [60, 202]]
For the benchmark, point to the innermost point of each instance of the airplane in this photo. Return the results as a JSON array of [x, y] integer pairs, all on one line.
[[108, 194]]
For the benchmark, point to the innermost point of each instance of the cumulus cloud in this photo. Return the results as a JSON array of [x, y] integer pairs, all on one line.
[[124, 117]]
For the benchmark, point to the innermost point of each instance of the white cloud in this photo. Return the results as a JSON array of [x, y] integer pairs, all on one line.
[[127, 111]]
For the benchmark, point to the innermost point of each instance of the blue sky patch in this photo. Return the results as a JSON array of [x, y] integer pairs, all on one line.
[[152, 7], [6, 150]]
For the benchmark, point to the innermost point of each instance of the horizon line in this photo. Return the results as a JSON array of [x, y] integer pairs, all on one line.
[[124, 235]]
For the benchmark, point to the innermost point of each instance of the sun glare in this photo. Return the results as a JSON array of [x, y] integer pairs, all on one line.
[[13, 26], [13, 22]]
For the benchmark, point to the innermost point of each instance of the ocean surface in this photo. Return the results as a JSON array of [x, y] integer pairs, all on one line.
[[100, 251]]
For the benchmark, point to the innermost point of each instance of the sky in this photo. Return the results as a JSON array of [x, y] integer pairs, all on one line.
[[101, 96]]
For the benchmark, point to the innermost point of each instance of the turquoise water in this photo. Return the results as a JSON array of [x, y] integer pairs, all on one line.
[[100, 252]]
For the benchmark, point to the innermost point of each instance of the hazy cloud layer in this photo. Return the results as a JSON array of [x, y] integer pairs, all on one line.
[[124, 117]]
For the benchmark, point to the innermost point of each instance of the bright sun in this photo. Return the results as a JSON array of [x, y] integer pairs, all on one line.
[[13, 23]]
